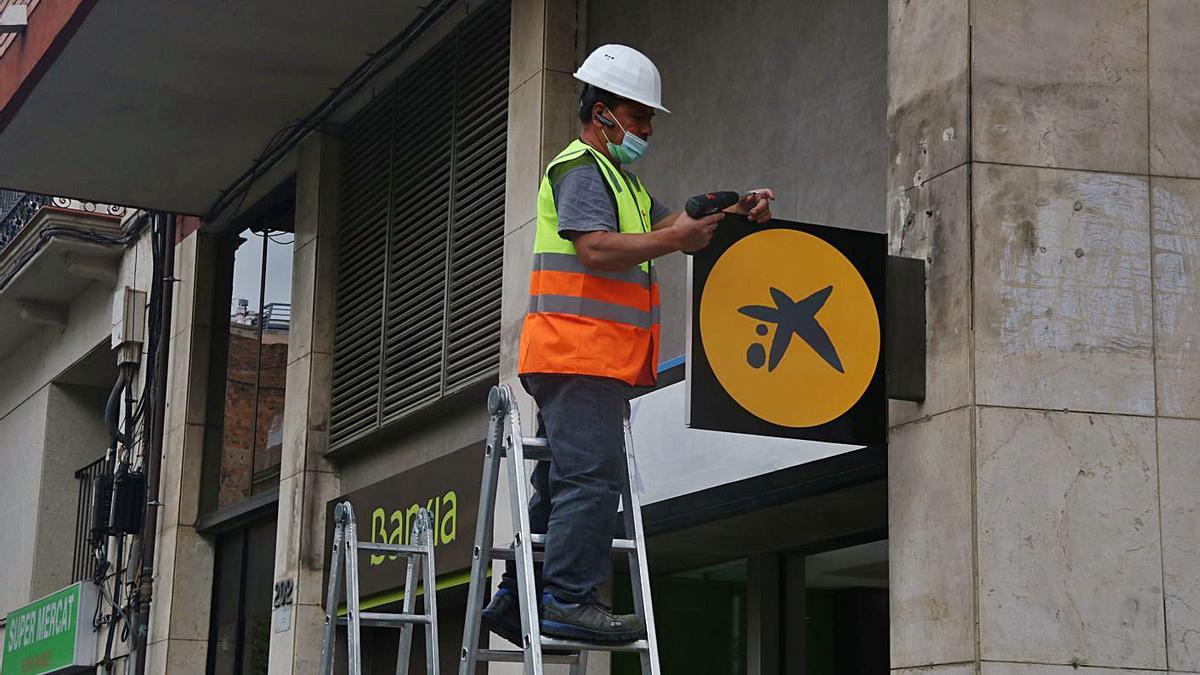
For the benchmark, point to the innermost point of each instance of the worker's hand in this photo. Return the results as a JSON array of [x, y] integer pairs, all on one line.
[[693, 234], [755, 205]]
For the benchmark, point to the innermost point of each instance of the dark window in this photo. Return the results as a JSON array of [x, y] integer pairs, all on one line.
[[251, 322], [421, 231], [240, 624]]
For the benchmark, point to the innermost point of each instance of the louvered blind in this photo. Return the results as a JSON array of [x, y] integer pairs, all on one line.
[[422, 220]]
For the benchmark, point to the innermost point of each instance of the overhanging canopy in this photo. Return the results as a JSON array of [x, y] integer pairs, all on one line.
[[165, 104]]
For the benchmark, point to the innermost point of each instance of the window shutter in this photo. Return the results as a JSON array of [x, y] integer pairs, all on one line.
[[477, 198], [358, 313], [420, 254], [421, 169]]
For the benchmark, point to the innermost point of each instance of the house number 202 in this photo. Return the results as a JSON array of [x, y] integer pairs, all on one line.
[[283, 594]]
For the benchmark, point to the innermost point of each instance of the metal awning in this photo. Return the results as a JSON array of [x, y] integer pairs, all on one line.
[[164, 105]]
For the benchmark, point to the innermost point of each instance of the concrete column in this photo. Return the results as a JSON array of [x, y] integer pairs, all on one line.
[[307, 480], [183, 567], [1044, 162], [763, 614], [544, 49], [794, 637]]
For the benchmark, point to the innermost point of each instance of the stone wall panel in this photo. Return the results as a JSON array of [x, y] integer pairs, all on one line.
[[933, 223], [929, 523], [1175, 223], [1070, 565], [1060, 83], [1179, 454], [1063, 314], [928, 90], [1174, 88]]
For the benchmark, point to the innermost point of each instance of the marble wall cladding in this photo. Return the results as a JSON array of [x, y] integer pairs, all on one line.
[[1179, 473], [930, 548], [1174, 88], [1070, 565], [518, 263], [1060, 83], [933, 223], [1063, 315], [928, 90], [1045, 669], [523, 170], [1175, 223], [956, 669]]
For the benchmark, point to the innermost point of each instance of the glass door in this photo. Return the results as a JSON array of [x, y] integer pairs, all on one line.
[[240, 629]]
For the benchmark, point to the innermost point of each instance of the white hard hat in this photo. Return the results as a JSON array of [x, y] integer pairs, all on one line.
[[625, 72]]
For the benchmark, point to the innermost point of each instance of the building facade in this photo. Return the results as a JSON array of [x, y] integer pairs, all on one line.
[[351, 273]]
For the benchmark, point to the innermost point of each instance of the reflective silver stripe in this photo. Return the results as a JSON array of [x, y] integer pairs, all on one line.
[[596, 309], [565, 262]]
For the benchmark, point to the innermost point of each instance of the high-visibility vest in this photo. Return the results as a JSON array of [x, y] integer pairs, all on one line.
[[583, 321]]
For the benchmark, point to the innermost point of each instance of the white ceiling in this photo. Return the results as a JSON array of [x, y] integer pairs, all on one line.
[[164, 104]]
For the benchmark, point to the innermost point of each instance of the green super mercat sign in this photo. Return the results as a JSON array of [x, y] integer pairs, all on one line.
[[51, 635]]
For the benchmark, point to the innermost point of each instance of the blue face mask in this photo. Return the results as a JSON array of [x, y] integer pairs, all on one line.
[[631, 148]]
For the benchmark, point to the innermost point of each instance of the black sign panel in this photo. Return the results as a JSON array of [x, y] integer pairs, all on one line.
[[786, 332], [384, 512]]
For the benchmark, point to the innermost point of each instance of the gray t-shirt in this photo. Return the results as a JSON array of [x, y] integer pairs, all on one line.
[[585, 205]]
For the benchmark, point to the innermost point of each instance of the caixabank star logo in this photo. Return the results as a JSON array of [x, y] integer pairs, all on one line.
[[787, 332]]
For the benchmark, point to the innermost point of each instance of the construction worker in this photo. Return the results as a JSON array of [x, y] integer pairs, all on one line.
[[591, 335]]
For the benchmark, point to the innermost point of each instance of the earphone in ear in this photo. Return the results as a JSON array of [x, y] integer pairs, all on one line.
[[604, 120]]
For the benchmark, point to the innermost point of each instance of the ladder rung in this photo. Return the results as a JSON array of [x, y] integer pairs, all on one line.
[[514, 656], [537, 454], [508, 554], [395, 549], [386, 620], [539, 545], [624, 545], [555, 643], [533, 447]]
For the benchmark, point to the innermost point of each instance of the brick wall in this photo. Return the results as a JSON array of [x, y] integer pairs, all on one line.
[[240, 459]]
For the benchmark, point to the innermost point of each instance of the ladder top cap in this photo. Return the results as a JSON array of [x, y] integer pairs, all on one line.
[[498, 400]]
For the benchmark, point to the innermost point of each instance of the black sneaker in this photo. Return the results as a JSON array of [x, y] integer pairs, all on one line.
[[590, 622], [502, 616]]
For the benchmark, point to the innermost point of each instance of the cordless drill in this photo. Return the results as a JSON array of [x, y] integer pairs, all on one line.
[[711, 202]]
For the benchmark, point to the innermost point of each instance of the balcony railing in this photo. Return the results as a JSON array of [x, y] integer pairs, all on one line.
[[17, 209], [83, 565], [277, 316]]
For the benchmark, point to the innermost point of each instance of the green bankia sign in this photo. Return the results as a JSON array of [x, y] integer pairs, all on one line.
[[51, 635]]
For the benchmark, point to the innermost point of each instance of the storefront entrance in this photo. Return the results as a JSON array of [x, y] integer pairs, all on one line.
[[819, 613], [240, 632]]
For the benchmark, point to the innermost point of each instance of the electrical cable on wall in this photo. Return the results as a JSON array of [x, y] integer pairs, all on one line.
[[119, 492], [279, 144]]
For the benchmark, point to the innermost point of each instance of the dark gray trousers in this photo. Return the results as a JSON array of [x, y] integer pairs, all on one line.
[[577, 492]]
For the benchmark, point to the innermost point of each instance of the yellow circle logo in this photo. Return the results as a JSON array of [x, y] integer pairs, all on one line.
[[789, 327]]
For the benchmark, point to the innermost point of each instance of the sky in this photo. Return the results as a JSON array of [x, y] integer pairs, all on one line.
[[247, 266]]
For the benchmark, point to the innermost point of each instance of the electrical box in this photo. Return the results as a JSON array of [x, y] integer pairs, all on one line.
[[129, 324], [128, 502]]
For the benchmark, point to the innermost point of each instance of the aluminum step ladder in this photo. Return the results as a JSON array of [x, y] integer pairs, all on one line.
[[505, 440], [345, 557]]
